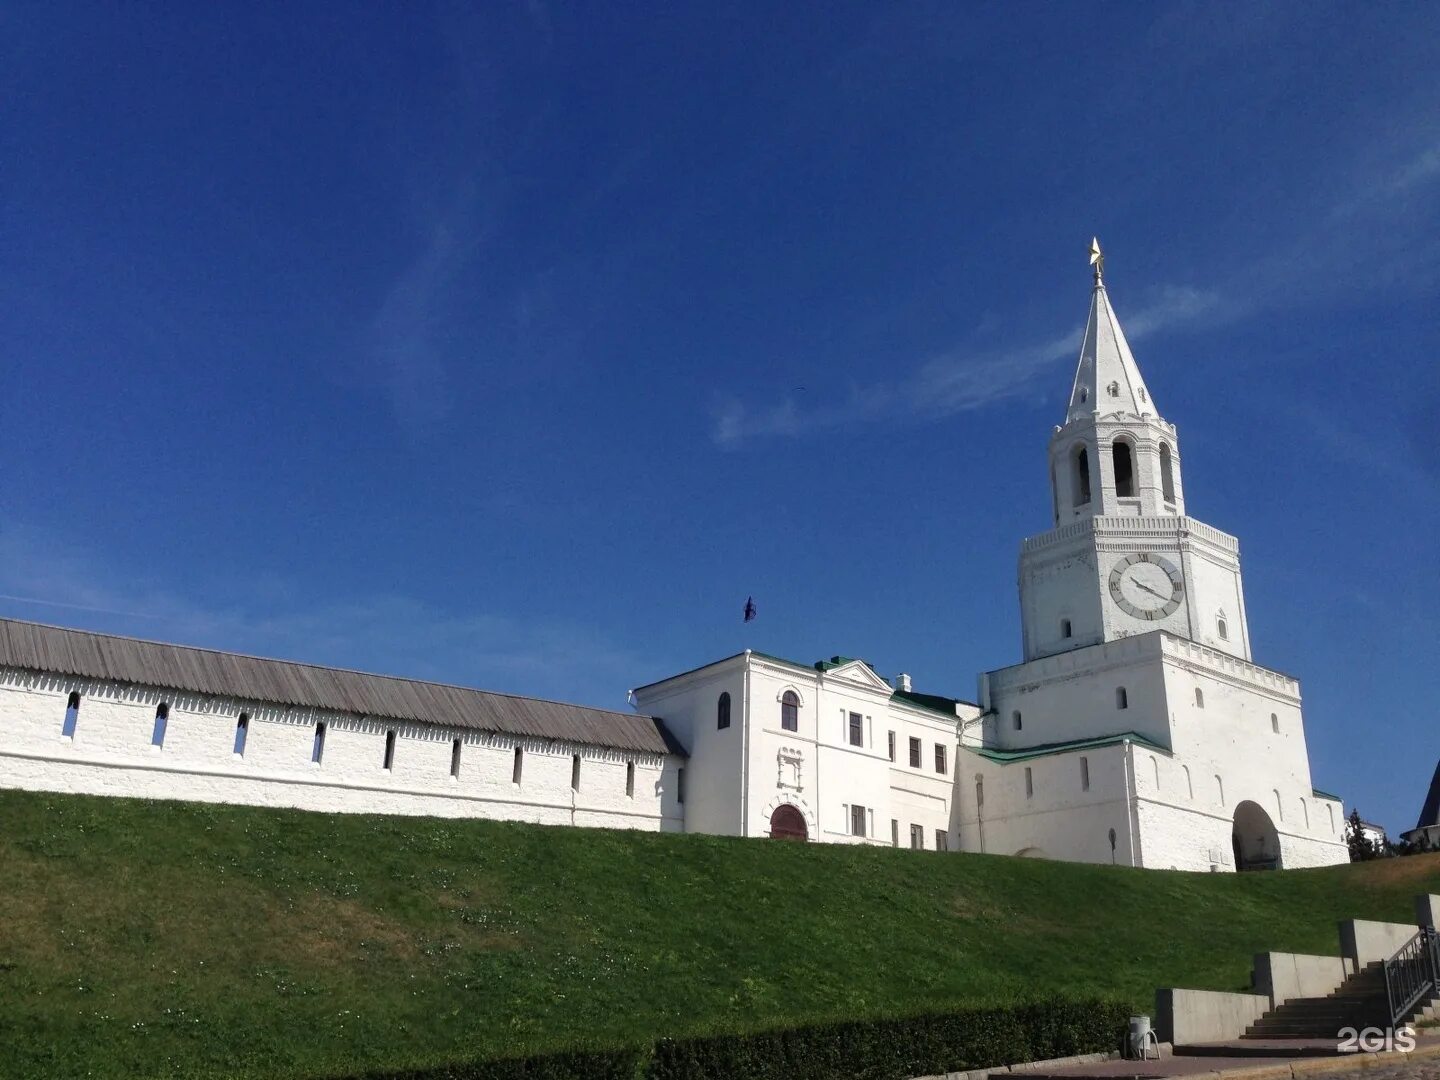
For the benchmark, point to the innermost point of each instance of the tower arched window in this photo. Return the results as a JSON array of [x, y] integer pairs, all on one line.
[[1124, 460], [1122, 699], [1065, 630], [1167, 474], [1199, 698], [1113, 389], [1082, 476], [790, 711], [1275, 723], [722, 711], [1018, 720], [1222, 628]]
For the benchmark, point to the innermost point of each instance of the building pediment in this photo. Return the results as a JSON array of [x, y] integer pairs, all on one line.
[[858, 673]]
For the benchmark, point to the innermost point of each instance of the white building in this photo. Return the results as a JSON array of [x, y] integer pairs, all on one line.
[[1136, 731]]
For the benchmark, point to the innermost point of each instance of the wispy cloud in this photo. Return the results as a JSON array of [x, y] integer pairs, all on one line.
[[408, 334], [950, 383], [44, 580], [965, 378]]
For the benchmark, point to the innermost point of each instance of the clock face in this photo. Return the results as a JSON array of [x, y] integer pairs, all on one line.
[[1146, 586]]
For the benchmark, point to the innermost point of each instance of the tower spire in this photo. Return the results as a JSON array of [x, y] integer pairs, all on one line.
[[1107, 379]]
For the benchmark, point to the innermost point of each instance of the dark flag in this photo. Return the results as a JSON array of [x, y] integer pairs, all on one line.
[[749, 608]]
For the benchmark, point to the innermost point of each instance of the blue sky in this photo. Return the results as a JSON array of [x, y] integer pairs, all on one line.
[[515, 345]]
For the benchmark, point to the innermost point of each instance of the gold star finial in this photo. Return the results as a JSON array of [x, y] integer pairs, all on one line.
[[1097, 258]]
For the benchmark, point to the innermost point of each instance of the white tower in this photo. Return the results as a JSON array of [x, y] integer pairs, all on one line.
[[1123, 558]]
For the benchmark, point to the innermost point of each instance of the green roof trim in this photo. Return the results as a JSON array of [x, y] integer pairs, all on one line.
[[1325, 795], [928, 702], [1004, 757]]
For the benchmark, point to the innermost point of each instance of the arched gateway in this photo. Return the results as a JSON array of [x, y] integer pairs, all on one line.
[[788, 823], [1257, 845]]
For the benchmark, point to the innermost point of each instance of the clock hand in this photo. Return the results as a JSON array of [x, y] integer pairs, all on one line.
[[1152, 592]]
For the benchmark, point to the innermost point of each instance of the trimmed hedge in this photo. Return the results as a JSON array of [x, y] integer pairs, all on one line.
[[880, 1049], [893, 1049]]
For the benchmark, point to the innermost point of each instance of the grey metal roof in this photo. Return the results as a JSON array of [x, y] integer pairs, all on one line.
[[57, 650], [1430, 812]]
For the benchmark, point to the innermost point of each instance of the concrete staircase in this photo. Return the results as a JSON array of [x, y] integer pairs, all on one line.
[[1358, 1002]]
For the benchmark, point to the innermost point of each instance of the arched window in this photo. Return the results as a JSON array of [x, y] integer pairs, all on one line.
[[317, 747], [1113, 389], [517, 766], [1167, 474], [242, 733], [162, 721], [72, 715], [1018, 720], [1222, 628], [1275, 723], [722, 711], [1199, 698], [389, 760], [790, 711], [455, 746], [1064, 628], [1124, 469], [1122, 699], [1082, 476]]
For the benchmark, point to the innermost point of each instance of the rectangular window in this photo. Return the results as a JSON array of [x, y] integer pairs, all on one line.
[[72, 714], [857, 821], [630, 779], [942, 840], [857, 729], [162, 721], [389, 750], [894, 832], [917, 838], [1084, 774], [575, 773], [317, 748], [242, 732], [939, 758], [892, 746], [680, 785], [1029, 782], [915, 753], [455, 759], [518, 767]]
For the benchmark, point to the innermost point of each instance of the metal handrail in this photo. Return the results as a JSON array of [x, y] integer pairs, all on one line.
[[1412, 975]]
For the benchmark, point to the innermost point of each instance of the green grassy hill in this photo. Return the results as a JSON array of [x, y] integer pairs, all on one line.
[[163, 939]]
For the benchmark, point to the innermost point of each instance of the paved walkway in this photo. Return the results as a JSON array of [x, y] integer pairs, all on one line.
[[1282, 1058]]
